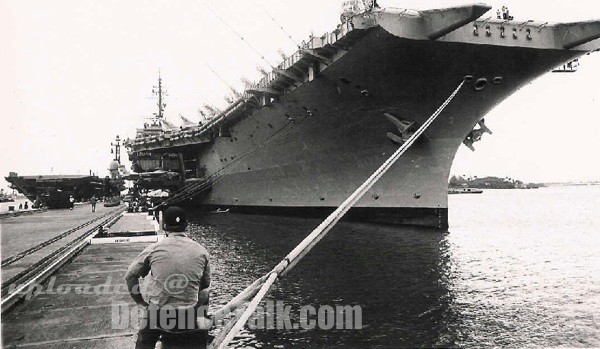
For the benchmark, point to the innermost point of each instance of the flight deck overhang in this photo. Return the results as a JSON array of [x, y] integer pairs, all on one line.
[[464, 24], [297, 69], [472, 24]]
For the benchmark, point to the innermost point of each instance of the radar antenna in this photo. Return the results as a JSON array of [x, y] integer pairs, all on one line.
[[159, 92], [117, 149]]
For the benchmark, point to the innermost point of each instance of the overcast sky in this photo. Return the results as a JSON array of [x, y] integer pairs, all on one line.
[[75, 73]]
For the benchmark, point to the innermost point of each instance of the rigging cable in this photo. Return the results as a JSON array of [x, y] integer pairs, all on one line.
[[280, 27], [239, 35], [222, 80]]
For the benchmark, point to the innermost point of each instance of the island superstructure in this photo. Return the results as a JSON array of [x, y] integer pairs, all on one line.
[[314, 128]]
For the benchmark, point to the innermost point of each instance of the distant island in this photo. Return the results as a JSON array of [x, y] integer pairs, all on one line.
[[572, 184], [490, 183]]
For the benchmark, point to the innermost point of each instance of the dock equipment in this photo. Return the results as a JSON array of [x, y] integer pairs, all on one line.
[[131, 227]]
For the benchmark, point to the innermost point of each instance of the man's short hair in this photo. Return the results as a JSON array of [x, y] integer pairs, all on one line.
[[174, 219]]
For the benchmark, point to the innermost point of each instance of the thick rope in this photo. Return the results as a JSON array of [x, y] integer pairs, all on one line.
[[318, 233]]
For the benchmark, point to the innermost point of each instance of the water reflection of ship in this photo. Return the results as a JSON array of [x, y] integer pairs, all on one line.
[[401, 278]]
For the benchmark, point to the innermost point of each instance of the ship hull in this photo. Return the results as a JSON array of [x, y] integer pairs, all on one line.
[[308, 152], [318, 126], [413, 216], [55, 191]]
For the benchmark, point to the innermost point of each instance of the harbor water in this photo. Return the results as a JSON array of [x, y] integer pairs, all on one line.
[[518, 268]]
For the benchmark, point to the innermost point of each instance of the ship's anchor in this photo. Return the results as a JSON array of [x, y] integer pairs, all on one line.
[[475, 134], [406, 129]]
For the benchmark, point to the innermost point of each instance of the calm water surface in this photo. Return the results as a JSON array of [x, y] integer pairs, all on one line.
[[518, 268]]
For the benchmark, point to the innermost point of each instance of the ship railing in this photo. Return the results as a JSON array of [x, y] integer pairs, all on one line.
[[314, 42], [191, 131], [291, 60]]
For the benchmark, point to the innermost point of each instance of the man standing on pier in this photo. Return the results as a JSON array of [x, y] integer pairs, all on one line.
[[93, 201], [177, 290]]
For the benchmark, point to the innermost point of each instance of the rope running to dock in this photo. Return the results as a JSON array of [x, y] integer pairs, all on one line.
[[259, 289]]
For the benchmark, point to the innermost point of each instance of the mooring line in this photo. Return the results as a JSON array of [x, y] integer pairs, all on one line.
[[224, 337]]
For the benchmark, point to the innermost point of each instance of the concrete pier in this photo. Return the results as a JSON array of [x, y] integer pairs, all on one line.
[[74, 307], [74, 319], [21, 233]]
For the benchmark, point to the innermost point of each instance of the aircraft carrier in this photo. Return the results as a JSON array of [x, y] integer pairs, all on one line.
[[314, 128], [55, 191]]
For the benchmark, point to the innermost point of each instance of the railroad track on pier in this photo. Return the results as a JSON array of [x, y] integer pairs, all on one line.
[[12, 259], [17, 287]]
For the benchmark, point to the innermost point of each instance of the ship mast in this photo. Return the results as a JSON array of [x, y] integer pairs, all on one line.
[[158, 91], [117, 149]]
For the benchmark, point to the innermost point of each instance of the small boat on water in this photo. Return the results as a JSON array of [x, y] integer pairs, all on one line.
[[220, 210], [464, 191]]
